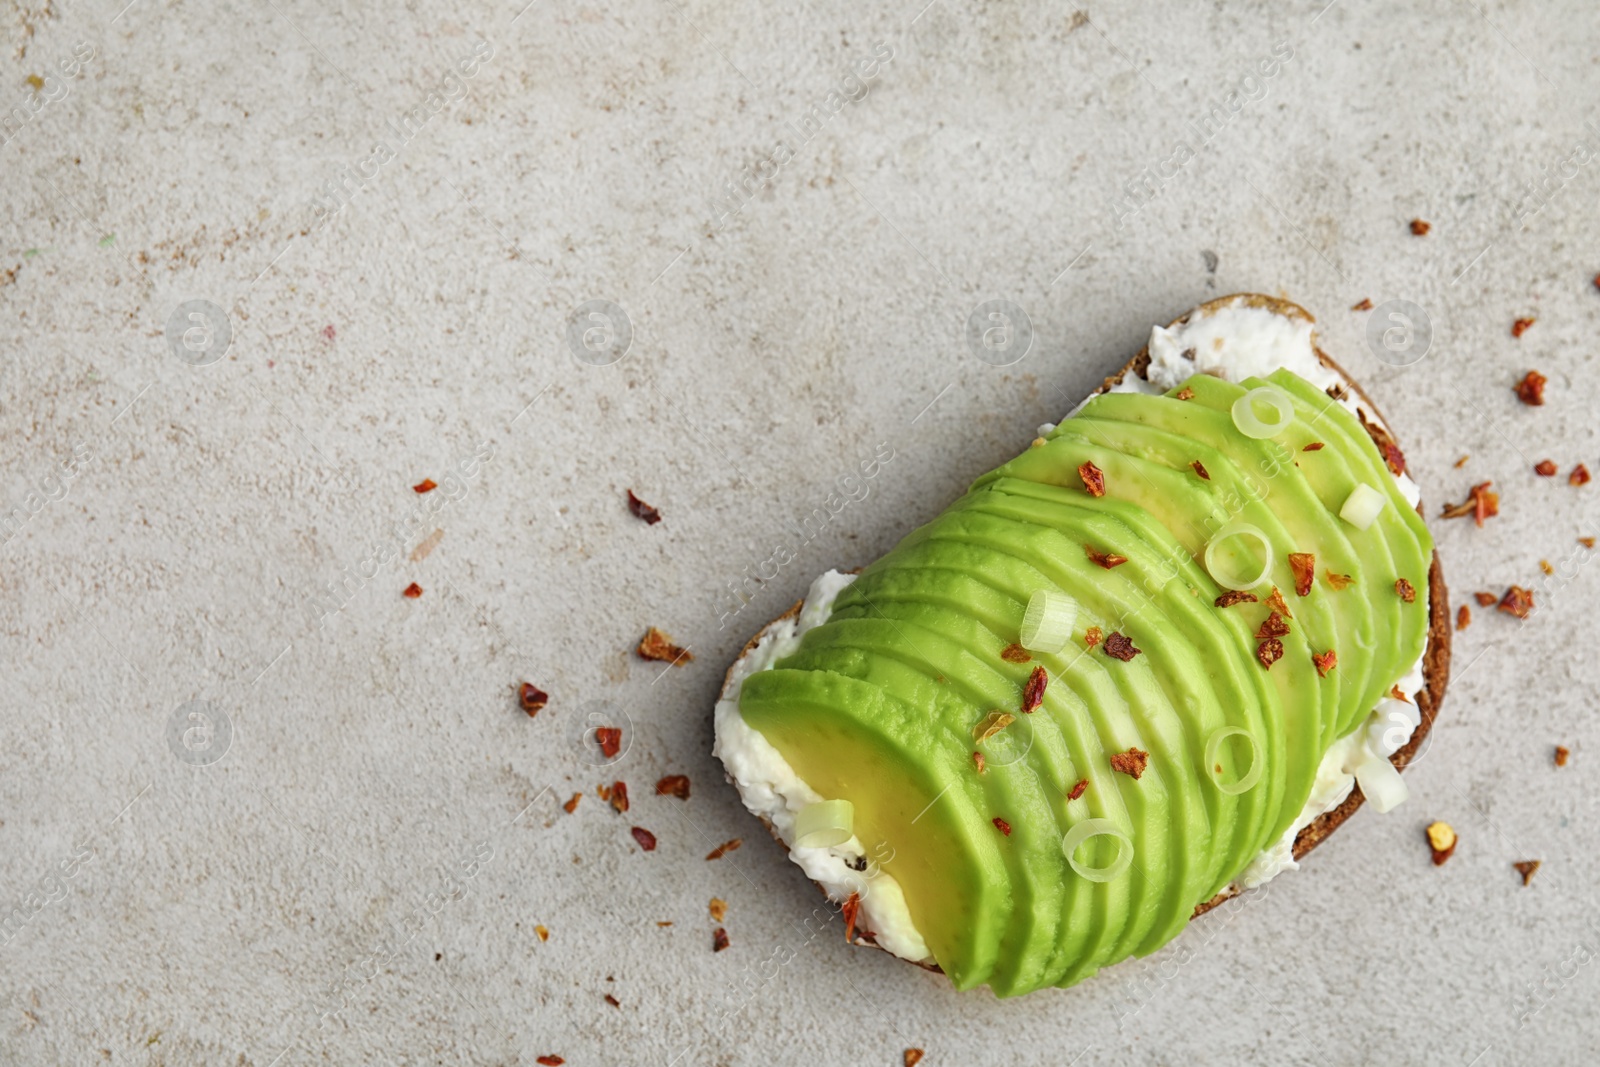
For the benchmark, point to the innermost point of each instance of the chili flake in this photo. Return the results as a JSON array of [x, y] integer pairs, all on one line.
[[613, 1001], [1337, 581], [1526, 868], [1463, 617], [1545, 468], [1304, 566], [1274, 625], [977, 760], [1520, 327], [1121, 647], [1234, 596], [913, 1056], [543, 932], [1078, 789], [572, 805], [719, 939], [1545, 566], [1396, 692], [1015, 653], [1442, 840], [1269, 652], [1365, 305], [550, 1061], [1480, 504], [1325, 662], [1094, 479], [646, 839], [427, 485], [1132, 762], [1462, 462], [1314, 446], [1405, 590], [1275, 602], [641, 510], [1517, 601], [1001, 825], [532, 698], [1200, 469], [610, 739], [1033, 692], [619, 797], [1105, 559], [674, 785], [1531, 389], [1185, 393], [1561, 754], [412, 591], [1419, 228], [1586, 542], [658, 646], [1486, 599], [1579, 475], [723, 849], [1091, 636], [992, 724]]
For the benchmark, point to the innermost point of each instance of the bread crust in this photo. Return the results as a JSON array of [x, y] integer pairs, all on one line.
[[1435, 657]]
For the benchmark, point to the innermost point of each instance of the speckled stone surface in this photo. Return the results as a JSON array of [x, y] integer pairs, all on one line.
[[265, 266]]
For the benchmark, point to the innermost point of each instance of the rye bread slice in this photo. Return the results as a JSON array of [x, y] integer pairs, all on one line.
[[1435, 658]]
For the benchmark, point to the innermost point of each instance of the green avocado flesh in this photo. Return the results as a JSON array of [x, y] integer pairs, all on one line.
[[878, 705]]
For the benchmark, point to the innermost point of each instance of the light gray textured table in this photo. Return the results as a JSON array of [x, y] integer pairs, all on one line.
[[345, 859]]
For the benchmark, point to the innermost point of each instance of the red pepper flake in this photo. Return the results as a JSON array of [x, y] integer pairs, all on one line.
[[977, 760], [1274, 625], [1531, 389], [1463, 617], [1597, 281], [1120, 647], [1561, 754], [1015, 653], [1337, 581], [646, 839], [1200, 469], [1462, 462], [1480, 504], [1078, 789], [619, 797], [1091, 636], [1105, 559], [1486, 599], [1419, 228], [550, 1061], [913, 1057], [1033, 692], [1545, 566], [719, 939], [532, 698], [1094, 479], [1365, 305], [1579, 475], [851, 910], [1304, 566], [572, 805], [1234, 596], [1132, 762], [1003, 826], [1526, 868], [613, 1001], [1314, 446], [427, 485], [641, 510], [674, 785], [1275, 602], [1520, 327], [718, 909], [1269, 652], [1586, 542], [723, 849], [1398, 694], [542, 931], [1325, 662], [658, 646], [610, 739], [1545, 468], [1517, 601], [1185, 393], [412, 591]]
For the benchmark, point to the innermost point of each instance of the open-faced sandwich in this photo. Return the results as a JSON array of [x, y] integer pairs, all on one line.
[[1145, 665]]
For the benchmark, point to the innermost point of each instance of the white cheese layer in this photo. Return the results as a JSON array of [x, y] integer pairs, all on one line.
[[1238, 342]]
